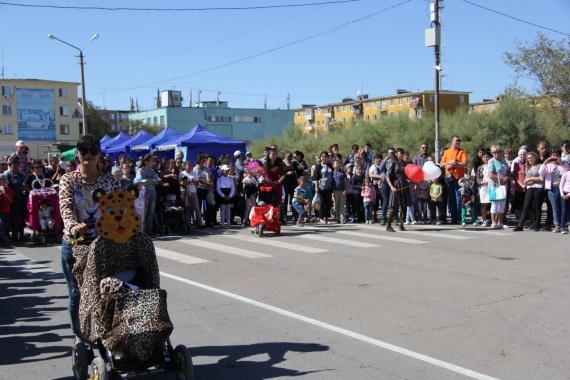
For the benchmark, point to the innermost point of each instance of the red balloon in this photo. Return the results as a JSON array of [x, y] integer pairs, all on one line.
[[414, 173]]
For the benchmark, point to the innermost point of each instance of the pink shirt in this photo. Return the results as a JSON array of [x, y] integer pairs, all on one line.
[[368, 194], [565, 184], [547, 170]]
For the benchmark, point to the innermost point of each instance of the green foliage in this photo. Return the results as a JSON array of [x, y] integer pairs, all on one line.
[[512, 124], [135, 126], [96, 124], [547, 62]]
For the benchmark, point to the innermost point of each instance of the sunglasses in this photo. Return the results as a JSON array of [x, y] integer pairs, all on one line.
[[92, 151]]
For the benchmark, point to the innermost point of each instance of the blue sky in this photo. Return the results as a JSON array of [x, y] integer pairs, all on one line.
[[318, 54]]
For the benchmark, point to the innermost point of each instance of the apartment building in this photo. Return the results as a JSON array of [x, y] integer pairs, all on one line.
[[42, 113], [403, 103]]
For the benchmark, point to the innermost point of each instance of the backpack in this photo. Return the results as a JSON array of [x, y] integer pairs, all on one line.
[[325, 182]]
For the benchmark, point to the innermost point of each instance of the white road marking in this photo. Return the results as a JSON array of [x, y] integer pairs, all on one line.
[[380, 237], [276, 243], [486, 232], [179, 257], [224, 248], [435, 234], [339, 330], [325, 238]]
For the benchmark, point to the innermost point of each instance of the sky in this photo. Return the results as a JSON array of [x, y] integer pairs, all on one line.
[[317, 51]]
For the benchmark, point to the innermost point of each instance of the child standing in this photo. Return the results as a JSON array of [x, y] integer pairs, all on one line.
[[368, 198], [466, 202], [6, 195], [140, 202], [423, 196], [250, 189], [349, 209], [436, 197], [339, 185], [309, 186], [225, 189], [300, 200], [410, 209]]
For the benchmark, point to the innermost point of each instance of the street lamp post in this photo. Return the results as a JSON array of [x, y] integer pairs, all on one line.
[[83, 99]]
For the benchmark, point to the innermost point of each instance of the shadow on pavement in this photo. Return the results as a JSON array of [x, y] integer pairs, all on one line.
[[25, 312], [233, 366]]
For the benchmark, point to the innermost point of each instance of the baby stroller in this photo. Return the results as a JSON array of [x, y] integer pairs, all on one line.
[[265, 215], [44, 217], [171, 208], [123, 314]]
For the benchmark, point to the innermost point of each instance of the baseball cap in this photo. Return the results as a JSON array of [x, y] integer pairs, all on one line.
[[237, 153], [117, 170], [225, 167], [20, 144]]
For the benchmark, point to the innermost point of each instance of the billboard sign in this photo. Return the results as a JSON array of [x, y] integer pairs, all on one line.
[[36, 116]]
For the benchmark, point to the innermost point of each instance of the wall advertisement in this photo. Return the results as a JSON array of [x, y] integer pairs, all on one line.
[[36, 116]]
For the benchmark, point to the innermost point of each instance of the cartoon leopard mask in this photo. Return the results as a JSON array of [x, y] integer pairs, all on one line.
[[118, 221]]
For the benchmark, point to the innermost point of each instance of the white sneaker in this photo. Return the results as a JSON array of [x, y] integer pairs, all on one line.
[[463, 224], [408, 222], [564, 232], [414, 222], [475, 224]]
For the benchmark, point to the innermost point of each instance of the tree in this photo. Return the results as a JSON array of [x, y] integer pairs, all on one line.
[[547, 62], [135, 126], [96, 124]]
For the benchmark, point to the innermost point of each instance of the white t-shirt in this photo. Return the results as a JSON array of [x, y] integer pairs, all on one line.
[[192, 180]]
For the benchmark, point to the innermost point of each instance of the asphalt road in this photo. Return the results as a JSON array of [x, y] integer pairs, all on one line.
[[327, 302]]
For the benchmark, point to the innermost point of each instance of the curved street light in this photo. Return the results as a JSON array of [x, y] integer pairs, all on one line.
[[83, 100]]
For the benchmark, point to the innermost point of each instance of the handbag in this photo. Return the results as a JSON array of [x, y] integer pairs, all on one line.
[[211, 198], [497, 193], [449, 178]]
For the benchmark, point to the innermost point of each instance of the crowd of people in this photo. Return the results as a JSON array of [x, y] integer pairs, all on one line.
[[361, 187]]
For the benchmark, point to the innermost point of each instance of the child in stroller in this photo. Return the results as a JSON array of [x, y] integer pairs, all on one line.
[[171, 212], [122, 309], [44, 217]]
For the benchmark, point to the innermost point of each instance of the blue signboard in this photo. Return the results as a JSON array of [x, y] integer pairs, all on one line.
[[36, 116]]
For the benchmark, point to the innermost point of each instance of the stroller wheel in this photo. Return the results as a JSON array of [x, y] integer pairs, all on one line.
[[184, 229], [261, 229], [80, 360], [184, 360], [42, 239], [98, 369]]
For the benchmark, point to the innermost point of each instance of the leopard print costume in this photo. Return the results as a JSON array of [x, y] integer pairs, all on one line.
[[135, 322]]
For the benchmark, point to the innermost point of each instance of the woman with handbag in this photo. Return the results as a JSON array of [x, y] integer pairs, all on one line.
[[498, 175]]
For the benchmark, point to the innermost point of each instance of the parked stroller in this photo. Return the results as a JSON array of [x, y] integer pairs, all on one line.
[[171, 208], [43, 216], [122, 312], [265, 215]]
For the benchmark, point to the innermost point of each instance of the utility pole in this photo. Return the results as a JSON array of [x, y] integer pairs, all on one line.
[[433, 38]]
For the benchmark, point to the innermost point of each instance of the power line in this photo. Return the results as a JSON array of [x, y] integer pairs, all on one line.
[[179, 9], [516, 19], [269, 50]]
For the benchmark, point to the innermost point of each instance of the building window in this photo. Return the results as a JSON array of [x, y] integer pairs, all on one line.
[[123, 116], [64, 129], [63, 111], [162, 120], [148, 121], [155, 120], [343, 108], [408, 100], [63, 92], [344, 119], [6, 110], [492, 106], [383, 104], [111, 116], [432, 98], [374, 117], [367, 117], [7, 129], [400, 101], [391, 102], [113, 127], [7, 91], [337, 108], [461, 99], [366, 105], [247, 119], [374, 104], [318, 123]]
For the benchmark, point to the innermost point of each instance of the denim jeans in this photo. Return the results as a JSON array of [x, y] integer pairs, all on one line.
[[300, 209], [150, 196], [556, 202], [453, 200], [67, 262], [385, 189], [368, 210]]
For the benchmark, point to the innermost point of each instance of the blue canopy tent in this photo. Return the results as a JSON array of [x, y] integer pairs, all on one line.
[[199, 140], [121, 137], [125, 147], [167, 134], [104, 139]]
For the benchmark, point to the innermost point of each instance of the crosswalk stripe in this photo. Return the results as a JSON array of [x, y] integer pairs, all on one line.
[[380, 237], [324, 237], [179, 257], [277, 244], [485, 232], [422, 232], [224, 248]]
